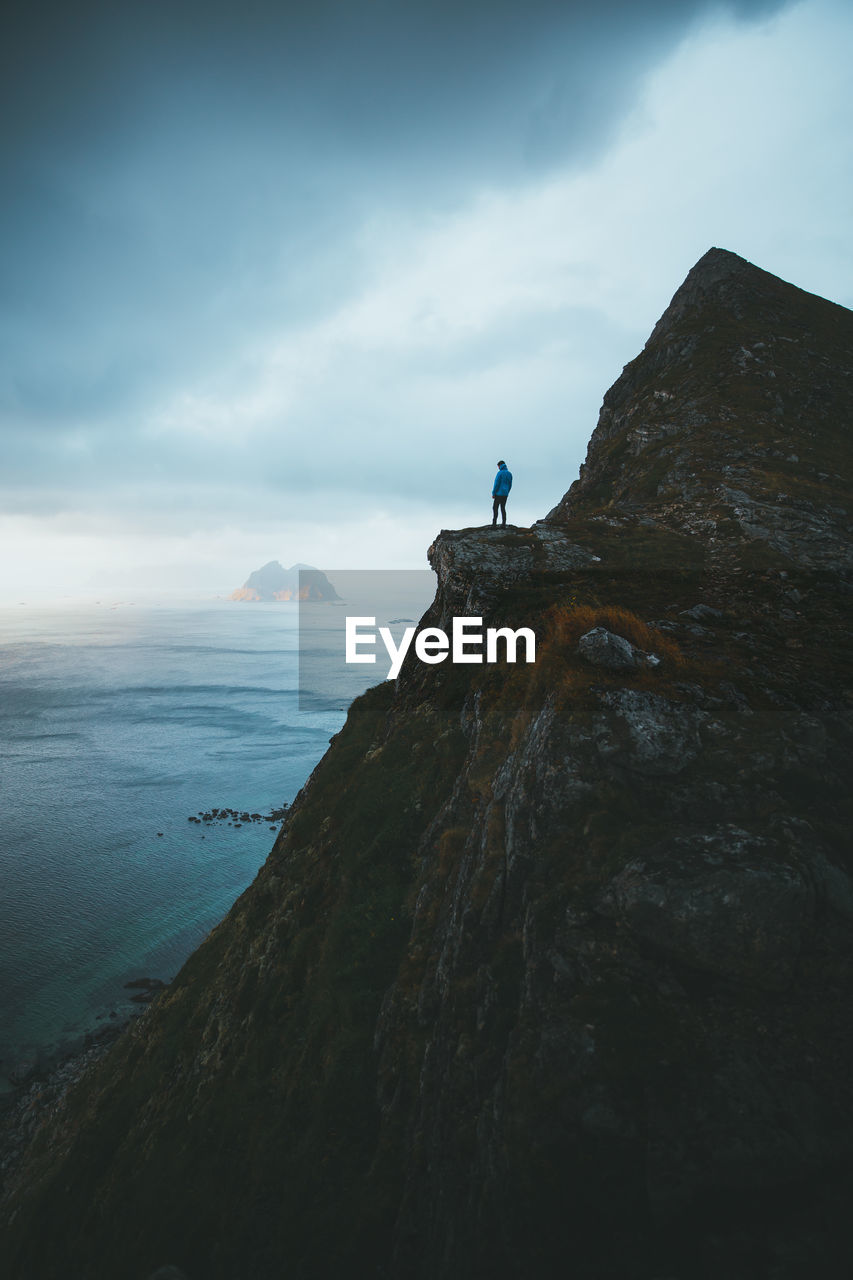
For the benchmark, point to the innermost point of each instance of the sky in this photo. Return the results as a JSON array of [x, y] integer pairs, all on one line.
[[284, 281]]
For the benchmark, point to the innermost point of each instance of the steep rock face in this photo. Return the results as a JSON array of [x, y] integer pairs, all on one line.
[[728, 421], [551, 971]]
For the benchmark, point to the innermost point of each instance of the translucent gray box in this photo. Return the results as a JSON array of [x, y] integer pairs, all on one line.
[[394, 598]]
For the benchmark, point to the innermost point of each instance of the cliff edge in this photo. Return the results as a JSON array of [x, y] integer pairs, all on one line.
[[550, 971]]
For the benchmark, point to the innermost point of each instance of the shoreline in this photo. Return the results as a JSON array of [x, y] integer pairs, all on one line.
[[39, 1062], [41, 1093], [27, 1105]]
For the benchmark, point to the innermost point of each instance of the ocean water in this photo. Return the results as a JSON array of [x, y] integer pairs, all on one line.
[[117, 723]]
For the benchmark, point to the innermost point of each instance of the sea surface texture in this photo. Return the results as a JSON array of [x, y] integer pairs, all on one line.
[[118, 723]]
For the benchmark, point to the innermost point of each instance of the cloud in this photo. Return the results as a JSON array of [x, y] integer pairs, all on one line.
[[182, 176], [319, 281], [521, 307]]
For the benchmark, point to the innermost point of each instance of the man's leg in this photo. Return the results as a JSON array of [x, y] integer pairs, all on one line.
[[502, 501], [495, 504]]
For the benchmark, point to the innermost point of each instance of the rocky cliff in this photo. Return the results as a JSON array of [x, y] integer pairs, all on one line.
[[550, 972]]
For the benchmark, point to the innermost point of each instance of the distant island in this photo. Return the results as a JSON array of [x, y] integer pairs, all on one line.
[[274, 582]]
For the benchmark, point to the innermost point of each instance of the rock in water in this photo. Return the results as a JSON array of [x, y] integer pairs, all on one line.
[[274, 582]]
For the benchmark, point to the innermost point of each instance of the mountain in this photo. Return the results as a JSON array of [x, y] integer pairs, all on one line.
[[273, 582], [551, 970]]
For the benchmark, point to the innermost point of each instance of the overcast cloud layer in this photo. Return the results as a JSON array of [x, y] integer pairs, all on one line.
[[280, 282]]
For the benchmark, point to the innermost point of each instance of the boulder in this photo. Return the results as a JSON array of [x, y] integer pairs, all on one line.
[[605, 648]]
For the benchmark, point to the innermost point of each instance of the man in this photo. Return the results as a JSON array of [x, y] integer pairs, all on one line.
[[500, 489]]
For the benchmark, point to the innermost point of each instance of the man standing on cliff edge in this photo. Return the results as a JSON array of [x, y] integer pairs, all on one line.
[[500, 491]]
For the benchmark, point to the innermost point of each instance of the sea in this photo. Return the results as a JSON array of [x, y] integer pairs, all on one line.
[[119, 722]]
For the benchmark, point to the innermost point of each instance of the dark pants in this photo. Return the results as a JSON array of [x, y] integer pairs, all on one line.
[[499, 504]]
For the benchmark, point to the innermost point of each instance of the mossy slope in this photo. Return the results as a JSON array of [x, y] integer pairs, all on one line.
[[458, 1026]]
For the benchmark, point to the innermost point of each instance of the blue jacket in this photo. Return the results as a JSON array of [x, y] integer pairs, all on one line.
[[503, 482]]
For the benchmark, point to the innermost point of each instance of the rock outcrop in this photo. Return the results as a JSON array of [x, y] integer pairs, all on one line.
[[273, 582], [730, 423], [551, 971]]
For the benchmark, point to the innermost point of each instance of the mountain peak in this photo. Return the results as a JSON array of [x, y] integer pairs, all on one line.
[[731, 423], [717, 274], [723, 280], [717, 265]]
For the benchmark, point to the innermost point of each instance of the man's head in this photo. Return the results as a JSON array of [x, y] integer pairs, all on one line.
[[501, 463]]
